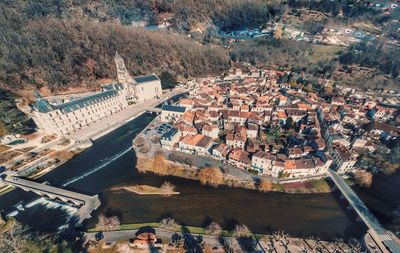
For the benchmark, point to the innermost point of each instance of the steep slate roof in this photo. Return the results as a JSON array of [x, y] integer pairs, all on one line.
[[143, 79], [110, 91], [168, 135], [85, 101], [173, 108]]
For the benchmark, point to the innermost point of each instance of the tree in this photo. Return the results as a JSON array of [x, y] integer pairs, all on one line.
[[390, 168], [241, 230], [19, 239], [168, 80], [363, 178], [167, 188], [108, 223], [214, 229], [210, 176], [290, 123], [168, 223], [278, 32], [265, 185], [160, 165]]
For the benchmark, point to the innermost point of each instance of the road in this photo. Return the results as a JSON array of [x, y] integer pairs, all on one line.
[[379, 233], [106, 125]]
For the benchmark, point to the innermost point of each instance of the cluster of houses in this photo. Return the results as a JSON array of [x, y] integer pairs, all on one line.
[[234, 119]]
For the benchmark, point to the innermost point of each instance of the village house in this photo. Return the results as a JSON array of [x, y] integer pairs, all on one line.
[[196, 144], [221, 151], [171, 113], [239, 158], [343, 159], [211, 131], [170, 138]]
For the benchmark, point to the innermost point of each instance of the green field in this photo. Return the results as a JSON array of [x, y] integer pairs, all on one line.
[[324, 52]]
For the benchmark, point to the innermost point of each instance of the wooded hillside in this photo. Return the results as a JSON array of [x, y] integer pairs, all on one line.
[[62, 51]]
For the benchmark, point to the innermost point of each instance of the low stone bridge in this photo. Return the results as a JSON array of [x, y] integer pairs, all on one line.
[[85, 203]]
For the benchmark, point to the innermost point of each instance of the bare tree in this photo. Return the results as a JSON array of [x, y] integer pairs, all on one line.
[[167, 188], [108, 223], [363, 178], [168, 223], [242, 230], [214, 229], [18, 239]]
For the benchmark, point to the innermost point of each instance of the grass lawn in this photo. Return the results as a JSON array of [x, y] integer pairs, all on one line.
[[3, 148], [321, 185], [324, 52], [133, 226]]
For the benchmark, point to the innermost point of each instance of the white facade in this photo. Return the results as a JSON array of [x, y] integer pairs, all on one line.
[[76, 114], [139, 89], [171, 113]]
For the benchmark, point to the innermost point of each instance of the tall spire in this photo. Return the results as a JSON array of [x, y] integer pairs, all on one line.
[[117, 56]]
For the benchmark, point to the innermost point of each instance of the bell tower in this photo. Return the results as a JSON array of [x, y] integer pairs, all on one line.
[[122, 73], [124, 77]]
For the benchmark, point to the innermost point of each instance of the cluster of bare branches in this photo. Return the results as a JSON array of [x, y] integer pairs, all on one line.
[[241, 230], [108, 223], [167, 188], [168, 223], [214, 229]]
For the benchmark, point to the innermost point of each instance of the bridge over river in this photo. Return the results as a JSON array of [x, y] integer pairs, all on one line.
[[378, 233], [85, 203]]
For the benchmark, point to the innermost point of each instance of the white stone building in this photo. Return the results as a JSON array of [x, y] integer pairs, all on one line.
[[139, 89], [170, 138], [172, 113], [73, 115]]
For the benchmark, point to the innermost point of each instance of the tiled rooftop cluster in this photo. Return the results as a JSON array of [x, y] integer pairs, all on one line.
[[254, 123]]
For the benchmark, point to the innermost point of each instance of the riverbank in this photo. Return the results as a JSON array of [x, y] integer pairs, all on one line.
[[240, 239], [215, 177]]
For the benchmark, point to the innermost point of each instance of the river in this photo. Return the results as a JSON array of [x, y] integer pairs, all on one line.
[[110, 162]]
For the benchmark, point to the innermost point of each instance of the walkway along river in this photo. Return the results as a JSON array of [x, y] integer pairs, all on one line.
[[110, 162]]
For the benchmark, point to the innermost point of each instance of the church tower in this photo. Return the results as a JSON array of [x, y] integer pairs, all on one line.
[[124, 77]]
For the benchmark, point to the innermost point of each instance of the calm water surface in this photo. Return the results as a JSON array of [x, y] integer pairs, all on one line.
[[109, 163]]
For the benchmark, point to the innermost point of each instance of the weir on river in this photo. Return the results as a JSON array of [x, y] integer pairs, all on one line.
[[86, 203]]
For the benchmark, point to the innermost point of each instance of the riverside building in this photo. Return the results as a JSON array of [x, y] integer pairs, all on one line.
[[73, 115]]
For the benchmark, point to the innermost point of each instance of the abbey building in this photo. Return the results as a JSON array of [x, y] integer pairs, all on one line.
[[71, 114], [139, 89]]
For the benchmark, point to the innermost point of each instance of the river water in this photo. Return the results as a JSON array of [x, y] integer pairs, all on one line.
[[110, 162]]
